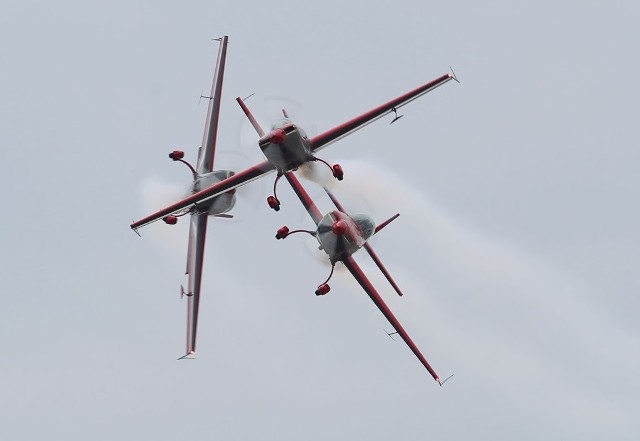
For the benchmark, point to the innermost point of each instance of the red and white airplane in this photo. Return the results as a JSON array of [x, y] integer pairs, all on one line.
[[286, 147], [204, 176], [340, 235]]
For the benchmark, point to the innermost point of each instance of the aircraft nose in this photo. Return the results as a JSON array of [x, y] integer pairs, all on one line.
[[339, 227], [277, 136]]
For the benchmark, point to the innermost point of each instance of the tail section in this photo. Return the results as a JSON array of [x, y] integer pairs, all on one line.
[[378, 262], [252, 119]]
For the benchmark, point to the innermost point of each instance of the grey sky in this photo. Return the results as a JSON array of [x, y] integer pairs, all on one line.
[[517, 244]]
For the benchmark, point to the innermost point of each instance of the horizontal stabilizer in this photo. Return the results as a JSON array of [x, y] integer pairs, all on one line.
[[387, 222], [378, 262], [251, 118]]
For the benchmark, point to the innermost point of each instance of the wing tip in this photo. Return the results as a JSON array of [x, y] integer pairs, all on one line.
[[442, 382], [188, 355], [453, 76]]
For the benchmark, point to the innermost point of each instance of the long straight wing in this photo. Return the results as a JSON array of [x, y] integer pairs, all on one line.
[[306, 200], [208, 148], [197, 234], [324, 139], [223, 186], [359, 275]]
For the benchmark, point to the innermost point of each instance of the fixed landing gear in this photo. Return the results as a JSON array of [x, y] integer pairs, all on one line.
[[177, 156], [170, 220], [273, 201], [336, 169], [284, 232], [324, 287]]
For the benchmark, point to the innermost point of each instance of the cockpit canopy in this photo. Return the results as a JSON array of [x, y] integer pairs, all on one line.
[[280, 123], [366, 224]]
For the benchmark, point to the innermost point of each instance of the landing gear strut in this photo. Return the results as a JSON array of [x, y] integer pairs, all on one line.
[[177, 156], [284, 232], [324, 287], [273, 201], [336, 169]]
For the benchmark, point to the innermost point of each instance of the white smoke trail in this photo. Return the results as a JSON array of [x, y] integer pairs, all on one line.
[[503, 316], [502, 320]]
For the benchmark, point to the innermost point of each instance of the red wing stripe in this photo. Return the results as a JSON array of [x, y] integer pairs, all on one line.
[[225, 185], [353, 267], [330, 136], [306, 200]]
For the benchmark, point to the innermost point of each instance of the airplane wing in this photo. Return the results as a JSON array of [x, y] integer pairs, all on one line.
[[359, 275], [197, 234], [225, 185], [208, 148], [324, 139], [306, 200], [230, 183]]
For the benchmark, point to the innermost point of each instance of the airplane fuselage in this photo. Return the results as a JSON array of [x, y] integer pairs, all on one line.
[[341, 235], [286, 147], [219, 204]]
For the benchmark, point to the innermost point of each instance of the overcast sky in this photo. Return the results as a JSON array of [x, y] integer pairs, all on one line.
[[517, 244]]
